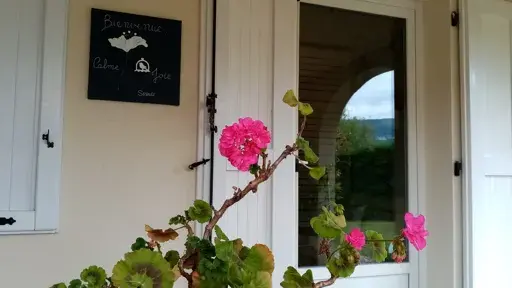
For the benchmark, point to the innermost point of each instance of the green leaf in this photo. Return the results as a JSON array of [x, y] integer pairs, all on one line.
[[340, 267], [178, 220], [309, 154], [260, 279], [317, 172], [235, 276], [305, 109], [377, 245], [94, 276], [254, 169], [173, 257], [143, 269], [225, 251], [244, 252], [220, 234], [260, 258], [323, 229], [201, 211], [75, 283], [329, 224], [59, 285], [292, 279], [139, 244], [336, 218], [290, 99]]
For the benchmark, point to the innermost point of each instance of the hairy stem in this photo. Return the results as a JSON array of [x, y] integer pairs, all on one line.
[[241, 193]]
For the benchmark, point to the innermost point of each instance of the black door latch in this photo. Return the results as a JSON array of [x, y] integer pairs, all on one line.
[[197, 164], [7, 221], [46, 138], [457, 168]]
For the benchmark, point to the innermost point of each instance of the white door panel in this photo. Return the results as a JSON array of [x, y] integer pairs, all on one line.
[[487, 59]]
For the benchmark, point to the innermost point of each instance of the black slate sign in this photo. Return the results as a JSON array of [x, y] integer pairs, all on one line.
[[134, 58]]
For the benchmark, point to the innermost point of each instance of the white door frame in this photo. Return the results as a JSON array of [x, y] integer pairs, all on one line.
[[284, 236], [205, 83]]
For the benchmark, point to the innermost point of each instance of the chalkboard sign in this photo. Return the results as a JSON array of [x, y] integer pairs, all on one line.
[[134, 58]]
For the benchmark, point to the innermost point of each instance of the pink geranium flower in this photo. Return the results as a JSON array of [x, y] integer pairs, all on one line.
[[415, 230], [356, 239], [243, 142]]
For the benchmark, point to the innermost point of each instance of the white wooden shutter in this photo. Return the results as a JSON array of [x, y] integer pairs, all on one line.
[[31, 78], [488, 63], [20, 54]]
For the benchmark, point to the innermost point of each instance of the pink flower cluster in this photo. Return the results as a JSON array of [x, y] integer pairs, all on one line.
[[243, 142], [415, 230], [356, 238]]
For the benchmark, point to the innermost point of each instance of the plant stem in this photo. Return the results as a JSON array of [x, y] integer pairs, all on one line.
[[252, 186], [325, 283]]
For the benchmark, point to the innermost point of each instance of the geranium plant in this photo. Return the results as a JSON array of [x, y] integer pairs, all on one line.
[[217, 261]]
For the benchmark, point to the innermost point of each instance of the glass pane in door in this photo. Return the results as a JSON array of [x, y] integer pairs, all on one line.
[[353, 72]]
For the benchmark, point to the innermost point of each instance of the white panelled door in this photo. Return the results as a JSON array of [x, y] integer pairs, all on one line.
[[487, 60]]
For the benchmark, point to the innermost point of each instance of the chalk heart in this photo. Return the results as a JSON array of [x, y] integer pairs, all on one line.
[[127, 44]]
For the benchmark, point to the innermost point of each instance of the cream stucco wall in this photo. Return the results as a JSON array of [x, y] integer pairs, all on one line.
[[124, 164]]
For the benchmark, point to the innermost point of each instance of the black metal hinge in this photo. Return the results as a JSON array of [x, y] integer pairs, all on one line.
[[211, 100], [457, 168], [197, 164], [7, 221], [46, 138], [455, 18]]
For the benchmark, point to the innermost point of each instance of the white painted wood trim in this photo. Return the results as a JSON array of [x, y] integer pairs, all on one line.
[[24, 222], [384, 269], [410, 4], [205, 80], [51, 116], [286, 45], [467, 243]]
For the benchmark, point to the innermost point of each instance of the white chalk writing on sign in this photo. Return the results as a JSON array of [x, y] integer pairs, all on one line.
[[109, 22], [143, 93], [157, 77], [97, 63]]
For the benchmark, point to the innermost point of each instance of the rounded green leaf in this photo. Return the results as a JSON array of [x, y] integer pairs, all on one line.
[[292, 279], [377, 245], [143, 268], [172, 257], [340, 267], [94, 276], [76, 283], [201, 211], [260, 258], [138, 244], [290, 99], [260, 279]]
